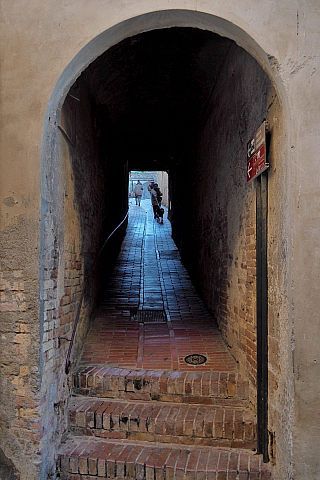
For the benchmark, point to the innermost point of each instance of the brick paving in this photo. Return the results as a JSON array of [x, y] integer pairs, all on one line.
[[207, 388], [88, 458], [149, 275], [139, 411], [185, 424]]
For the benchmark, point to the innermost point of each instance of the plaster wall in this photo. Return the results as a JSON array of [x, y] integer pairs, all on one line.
[[162, 178], [40, 60]]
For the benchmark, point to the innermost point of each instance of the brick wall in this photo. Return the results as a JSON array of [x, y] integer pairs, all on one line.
[[19, 351], [77, 220], [214, 211]]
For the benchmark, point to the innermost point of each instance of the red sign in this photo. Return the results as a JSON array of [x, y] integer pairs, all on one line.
[[257, 163], [256, 154]]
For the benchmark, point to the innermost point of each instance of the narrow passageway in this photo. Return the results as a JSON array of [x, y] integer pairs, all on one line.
[[139, 411], [150, 315], [185, 101]]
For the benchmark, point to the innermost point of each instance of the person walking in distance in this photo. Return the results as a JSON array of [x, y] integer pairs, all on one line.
[[138, 192], [159, 194], [156, 195]]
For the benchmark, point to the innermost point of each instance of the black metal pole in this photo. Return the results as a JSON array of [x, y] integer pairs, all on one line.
[[262, 315]]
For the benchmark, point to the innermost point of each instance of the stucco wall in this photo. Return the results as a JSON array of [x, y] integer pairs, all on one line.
[[162, 178], [40, 42]]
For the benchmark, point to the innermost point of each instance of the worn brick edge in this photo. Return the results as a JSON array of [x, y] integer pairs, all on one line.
[[125, 459], [173, 386], [163, 422]]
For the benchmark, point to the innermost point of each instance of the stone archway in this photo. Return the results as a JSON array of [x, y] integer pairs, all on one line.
[[165, 19], [154, 21]]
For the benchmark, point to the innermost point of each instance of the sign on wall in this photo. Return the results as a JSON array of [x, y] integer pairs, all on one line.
[[256, 153]]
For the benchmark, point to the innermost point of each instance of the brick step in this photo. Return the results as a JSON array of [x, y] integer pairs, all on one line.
[[163, 422], [88, 458], [207, 388]]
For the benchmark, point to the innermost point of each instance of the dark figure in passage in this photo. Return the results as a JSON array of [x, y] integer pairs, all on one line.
[[156, 198]]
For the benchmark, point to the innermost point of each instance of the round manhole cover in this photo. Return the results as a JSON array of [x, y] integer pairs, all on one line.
[[195, 359]]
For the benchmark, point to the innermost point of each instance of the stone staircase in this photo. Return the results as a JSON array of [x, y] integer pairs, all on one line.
[[152, 425]]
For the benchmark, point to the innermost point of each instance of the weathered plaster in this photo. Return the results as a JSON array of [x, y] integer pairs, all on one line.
[[46, 45]]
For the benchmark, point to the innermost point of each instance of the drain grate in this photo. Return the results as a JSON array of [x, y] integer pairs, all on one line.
[[150, 316], [169, 254], [195, 359]]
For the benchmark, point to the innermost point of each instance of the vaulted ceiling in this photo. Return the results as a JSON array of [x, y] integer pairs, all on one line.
[[151, 92]]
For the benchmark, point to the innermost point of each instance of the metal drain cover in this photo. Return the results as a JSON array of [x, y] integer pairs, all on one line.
[[150, 316], [195, 359]]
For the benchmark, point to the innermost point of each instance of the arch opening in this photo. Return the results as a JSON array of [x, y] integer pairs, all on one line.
[[183, 100]]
